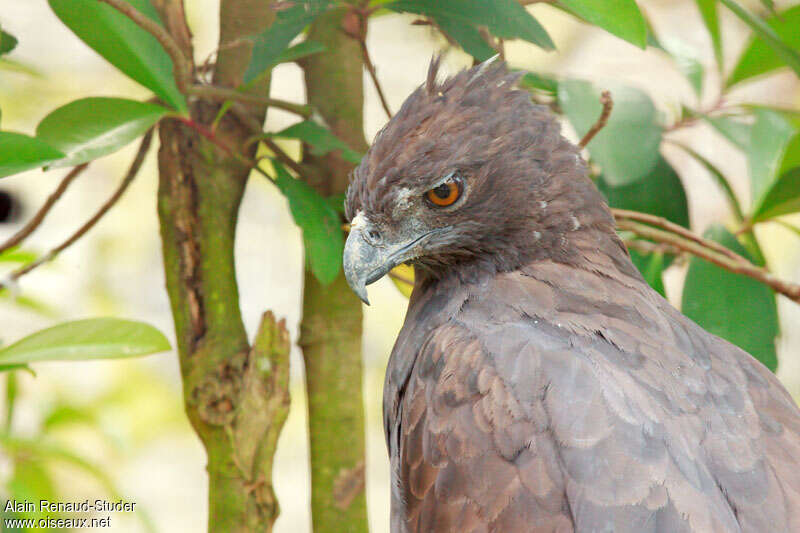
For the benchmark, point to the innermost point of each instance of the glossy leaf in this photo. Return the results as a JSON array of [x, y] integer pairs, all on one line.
[[627, 147], [273, 41], [19, 153], [708, 10], [770, 137], [323, 238], [95, 338], [618, 17], [93, 127], [504, 18], [7, 42], [659, 193], [733, 306], [781, 49], [123, 44], [320, 139]]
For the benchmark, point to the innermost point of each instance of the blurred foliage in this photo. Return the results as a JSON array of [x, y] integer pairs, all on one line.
[[625, 158]]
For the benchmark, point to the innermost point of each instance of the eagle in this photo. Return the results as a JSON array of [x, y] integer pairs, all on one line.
[[538, 383]]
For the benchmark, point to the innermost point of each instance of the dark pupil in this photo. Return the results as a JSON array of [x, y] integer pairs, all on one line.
[[442, 191]]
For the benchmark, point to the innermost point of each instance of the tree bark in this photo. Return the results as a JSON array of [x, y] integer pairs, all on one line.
[[235, 395], [331, 327]]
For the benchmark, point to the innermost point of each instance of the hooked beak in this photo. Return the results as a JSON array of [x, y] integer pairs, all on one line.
[[366, 261]]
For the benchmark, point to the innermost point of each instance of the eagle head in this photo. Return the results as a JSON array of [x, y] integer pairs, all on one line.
[[468, 175]]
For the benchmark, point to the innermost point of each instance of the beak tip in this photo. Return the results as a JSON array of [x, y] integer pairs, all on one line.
[[361, 292]]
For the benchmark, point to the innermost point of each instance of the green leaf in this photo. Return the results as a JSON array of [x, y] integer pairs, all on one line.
[[504, 18], [7, 42], [468, 37], [299, 51], [627, 147], [96, 338], [322, 232], [15, 255], [770, 137], [659, 193], [737, 132], [782, 47], [536, 81], [651, 266], [320, 139], [721, 180], [708, 10], [759, 57], [733, 306], [618, 17], [19, 153], [783, 197], [123, 44], [273, 41], [93, 127]]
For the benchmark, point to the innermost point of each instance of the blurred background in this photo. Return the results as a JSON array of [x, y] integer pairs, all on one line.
[[117, 429]]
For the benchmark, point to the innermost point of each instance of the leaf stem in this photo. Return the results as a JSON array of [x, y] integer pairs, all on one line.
[[602, 120]]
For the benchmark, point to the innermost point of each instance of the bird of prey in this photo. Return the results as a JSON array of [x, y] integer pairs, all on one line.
[[538, 383]]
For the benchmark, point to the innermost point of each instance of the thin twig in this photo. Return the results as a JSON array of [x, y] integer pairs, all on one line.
[[663, 223], [737, 266], [182, 66], [89, 224], [647, 247], [43, 211], [374, 76], [222, 94], [608, 105]]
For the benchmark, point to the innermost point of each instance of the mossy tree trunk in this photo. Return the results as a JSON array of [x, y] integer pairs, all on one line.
[[331, 327], [236, 395]]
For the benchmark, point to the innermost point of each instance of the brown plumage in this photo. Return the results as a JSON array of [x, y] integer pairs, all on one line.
[[539, 383]]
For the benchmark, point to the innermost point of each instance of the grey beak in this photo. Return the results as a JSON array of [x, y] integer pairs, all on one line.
[[364, 262]]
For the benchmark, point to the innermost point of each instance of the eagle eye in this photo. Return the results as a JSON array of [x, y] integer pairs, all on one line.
[[446, 193]]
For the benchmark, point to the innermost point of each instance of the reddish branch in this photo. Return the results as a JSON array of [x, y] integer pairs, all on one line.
[[608, 105], [704, 249], [133, 170], [40, 215]]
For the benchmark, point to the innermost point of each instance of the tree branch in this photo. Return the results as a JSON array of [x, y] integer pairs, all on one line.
[[223, 94], [374, 76], [623, 214], [182, 66], [700, 247], [40, 215], [89, 224], [608, 105]]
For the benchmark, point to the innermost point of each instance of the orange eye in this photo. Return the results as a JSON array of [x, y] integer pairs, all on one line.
[[445, 194]]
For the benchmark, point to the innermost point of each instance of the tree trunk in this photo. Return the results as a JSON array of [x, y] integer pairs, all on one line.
[[331, 327], [235, 395]]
